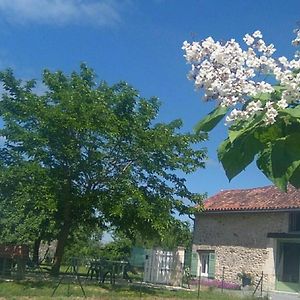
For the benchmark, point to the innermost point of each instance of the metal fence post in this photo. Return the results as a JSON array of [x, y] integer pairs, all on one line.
[[261, 286], [223, 272], [260, 283], [141, 282], [199, 282]]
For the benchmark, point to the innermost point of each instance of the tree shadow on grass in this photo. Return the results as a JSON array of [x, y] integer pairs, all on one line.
[[132, 288], [49, 284]]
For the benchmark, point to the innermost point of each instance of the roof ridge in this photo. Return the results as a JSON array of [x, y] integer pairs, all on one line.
[[261, 198], [245, 189]]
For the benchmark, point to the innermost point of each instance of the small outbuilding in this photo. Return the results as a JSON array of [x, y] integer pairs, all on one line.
[[248, 232]]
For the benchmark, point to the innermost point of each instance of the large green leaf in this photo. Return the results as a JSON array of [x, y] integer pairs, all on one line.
[[271, 133], [280, 161], [245, 128], [294, 112], [211, 120], [265, 164], [286, 155], [236, 156], [295, 178]]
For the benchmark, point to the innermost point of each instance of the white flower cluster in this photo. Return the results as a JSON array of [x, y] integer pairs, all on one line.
[[232, 75]]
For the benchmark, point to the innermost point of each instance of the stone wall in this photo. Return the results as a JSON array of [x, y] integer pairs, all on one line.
[[240, 242]]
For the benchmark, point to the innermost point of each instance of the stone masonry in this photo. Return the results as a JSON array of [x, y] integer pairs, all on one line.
[[239, 240]]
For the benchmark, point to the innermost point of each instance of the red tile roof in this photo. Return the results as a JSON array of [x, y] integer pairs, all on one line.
[[264, 198]]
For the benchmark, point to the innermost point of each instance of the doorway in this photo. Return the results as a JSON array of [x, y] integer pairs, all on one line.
[[291, 260], [288, 267]]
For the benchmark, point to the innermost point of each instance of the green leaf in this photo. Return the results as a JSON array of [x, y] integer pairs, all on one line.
[[237, 131], [264, 163], [236, 156], [280, 161], [266, 134], [286, 156], [294, 112], [262, 97], [295, 178], [211, 120], [223, 148], [279, 88]]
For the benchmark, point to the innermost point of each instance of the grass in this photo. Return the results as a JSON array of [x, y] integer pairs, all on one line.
[[42, 290]]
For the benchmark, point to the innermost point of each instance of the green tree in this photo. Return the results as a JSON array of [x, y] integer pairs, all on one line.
[[84, 242], [177, 233], [105, 160], [27, 206], [87, 242]]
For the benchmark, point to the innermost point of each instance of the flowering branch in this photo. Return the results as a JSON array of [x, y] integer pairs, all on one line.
[[231, 75], [262, 116]]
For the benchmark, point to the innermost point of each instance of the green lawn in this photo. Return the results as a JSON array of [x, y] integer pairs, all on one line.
[[43, 290]]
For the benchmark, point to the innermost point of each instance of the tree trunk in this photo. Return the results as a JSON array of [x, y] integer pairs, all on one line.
[[36, 248], [61, 243], [65, 228], [64, 231]]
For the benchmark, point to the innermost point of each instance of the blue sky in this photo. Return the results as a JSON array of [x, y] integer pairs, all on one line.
[[140, 41]]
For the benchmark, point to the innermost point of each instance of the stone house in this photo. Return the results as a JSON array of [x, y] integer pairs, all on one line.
[[252, 231]]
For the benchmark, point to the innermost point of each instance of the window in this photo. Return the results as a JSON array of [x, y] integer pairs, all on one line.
[[207, 263], [204, 259], [294, 224]]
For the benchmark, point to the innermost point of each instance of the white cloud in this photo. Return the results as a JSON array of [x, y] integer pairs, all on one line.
[[60, 12]]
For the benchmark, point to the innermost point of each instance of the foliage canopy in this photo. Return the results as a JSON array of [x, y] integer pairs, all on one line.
[[90, 154]]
